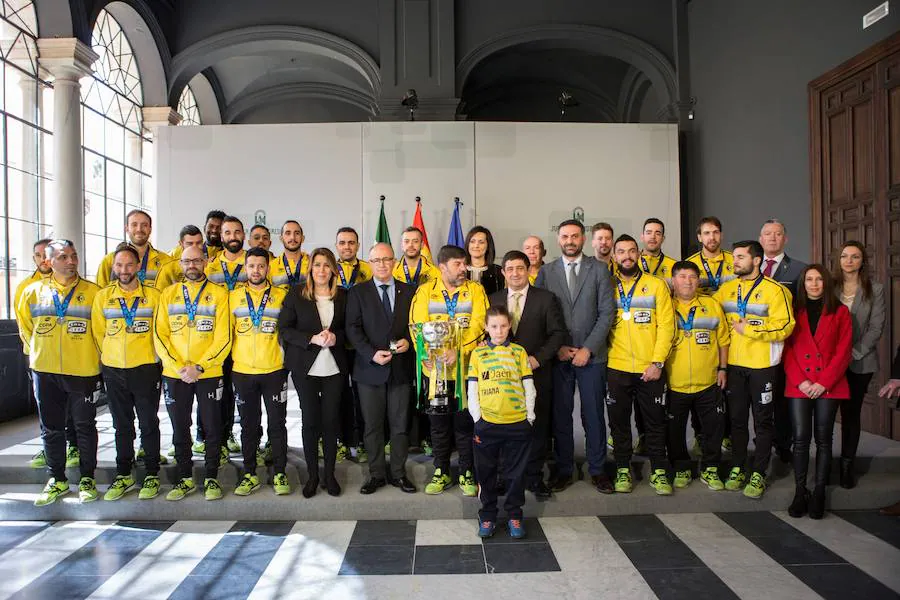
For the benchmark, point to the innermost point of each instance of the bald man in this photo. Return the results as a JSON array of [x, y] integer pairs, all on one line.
[[533, 247]]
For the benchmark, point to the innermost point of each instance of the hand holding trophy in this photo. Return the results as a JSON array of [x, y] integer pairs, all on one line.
[[437, 343]]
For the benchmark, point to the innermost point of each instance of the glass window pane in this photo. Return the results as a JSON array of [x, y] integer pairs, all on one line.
[[21, 237], [21, 145], [2, 203], [21, 94], [133, 149], [46, 154], [115, 181], [93, 126], [148, 194], [94, 251], [94, 173], [132, 188], [94, 214], [23, 195], [115, 141], [115, 222]]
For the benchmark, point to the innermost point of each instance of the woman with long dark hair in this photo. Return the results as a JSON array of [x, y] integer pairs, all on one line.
[[480, 254], [311, 325], [865, 299], [816, 357]]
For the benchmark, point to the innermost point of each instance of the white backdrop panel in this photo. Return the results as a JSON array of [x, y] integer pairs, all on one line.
[[403, 160], [309, 172], [531, 176]]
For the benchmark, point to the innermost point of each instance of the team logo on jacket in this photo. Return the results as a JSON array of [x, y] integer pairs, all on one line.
[[79, 298], [204, 325], [141, 327], [463, 322], [268, 326], [76, 327], [702, 337], [642, 317], [45, 325]]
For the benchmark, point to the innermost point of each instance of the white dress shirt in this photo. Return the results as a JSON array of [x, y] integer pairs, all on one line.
[[777, 259], [325, 365]]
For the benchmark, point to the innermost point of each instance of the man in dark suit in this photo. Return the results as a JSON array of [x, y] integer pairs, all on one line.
[[537, 326], [378, 328], [786, 271], [583, 288]]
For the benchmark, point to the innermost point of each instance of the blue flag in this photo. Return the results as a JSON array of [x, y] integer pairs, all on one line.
[[456, 237]]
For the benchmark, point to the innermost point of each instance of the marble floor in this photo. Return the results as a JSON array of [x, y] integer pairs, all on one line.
[[755, 555]]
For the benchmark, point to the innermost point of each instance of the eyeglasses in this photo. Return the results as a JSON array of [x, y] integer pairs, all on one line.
[[383, 261], [187, 262]]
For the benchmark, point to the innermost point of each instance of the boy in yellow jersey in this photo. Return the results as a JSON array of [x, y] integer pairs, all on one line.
[[122, 318], [413, 268], [258, 375], [533, 247], [213, 229], [55, 327], [290, 268], [696, 374], [759, 313], [501, 397], [192, 334], [602, 236], [639, 343], [171, 272], [653, 260], [452, 297], [138, 227]]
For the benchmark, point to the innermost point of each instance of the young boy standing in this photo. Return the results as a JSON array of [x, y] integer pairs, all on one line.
[[501, 397]]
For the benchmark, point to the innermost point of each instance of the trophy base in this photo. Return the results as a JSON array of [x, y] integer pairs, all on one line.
[[439, 406]]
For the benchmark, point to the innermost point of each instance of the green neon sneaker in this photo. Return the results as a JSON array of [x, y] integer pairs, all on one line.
[[757, 486], [150, 488], [660, 482], [426, 448], [87, 490], [682, 479], [212, 490], [726, 444], [624, 483], [182, 488], [610, 444], [267, 453], [171, 452], [249, 484], [640, 448], [73, 457], [223, 456], [52, 491], [343, 453], [233, 446], [163, 460], [439, 483], [198, 448], [362, 456], [710, 477], [736, 479], [387, 448], [140, 454], [38, 461], [697, 447], [121, 485], [260, 458], [281, 485], [321, 450], [468, 485]]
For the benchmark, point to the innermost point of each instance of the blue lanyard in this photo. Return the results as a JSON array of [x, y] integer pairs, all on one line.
[[713, 281], [230, 278], [686, 325], [644, 264], [353, 275], [142, 274], [191, 307], [743, 302], [293, 277], [626, 300], [129, 314], [256, 315], [413, 280], [451, 303], [63, 307]]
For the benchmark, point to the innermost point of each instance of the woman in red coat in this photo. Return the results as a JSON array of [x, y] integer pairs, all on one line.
[[816, 358]]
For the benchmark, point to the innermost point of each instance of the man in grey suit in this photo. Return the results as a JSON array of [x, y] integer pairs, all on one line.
[[583, 288], [786, 271]]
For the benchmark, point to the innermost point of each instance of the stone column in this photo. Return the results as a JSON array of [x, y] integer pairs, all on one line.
[[67, 60]]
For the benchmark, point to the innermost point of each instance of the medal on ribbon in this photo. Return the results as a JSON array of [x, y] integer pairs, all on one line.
[[293, 276], [142, 273], [191, 307], [451, 303], [646, 267], [687, 325], [743, 302], [626, 299], [412, 280], [257, 314], [128, 314], [713, 281], [353, 274], [230, 278], [62, 307]]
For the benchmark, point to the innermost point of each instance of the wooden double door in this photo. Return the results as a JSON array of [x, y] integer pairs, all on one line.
[[855, 177]]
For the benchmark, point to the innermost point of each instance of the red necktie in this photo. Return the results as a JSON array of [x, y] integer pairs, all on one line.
[[770, 262]]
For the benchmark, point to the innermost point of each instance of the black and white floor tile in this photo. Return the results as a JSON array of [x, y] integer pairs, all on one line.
[[728, 555]]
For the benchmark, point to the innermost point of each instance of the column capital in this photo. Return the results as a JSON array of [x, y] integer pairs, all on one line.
[[66, 58], [160, 116]]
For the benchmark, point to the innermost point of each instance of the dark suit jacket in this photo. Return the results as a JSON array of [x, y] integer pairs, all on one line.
[[541, 330], [589, 315], [369, 330], [787, 273], [299, 321], [492, 279]]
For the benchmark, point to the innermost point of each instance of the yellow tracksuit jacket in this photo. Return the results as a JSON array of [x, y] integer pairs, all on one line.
[[120, 348], [427, 272], [278, 274], [646, 336], [155, 261], [694, 361], [256, 350], [724, 261]]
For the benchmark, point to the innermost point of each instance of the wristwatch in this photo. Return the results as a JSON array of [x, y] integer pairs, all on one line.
[[199, 369], [659, 365]]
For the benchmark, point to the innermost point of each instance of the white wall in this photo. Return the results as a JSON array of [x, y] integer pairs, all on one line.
[[514, 178]]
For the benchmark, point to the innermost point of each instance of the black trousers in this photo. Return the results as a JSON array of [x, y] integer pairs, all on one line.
[[71, 436], [782, 414], [59, 396], [133, 392], [179, 398], [227, 404], [390, 400], [537, 455], [445, 429], [250, 392], [752, 390], [352, 419], [808, 417], [320, 403], [709, 407], [623, 389], [851, 413], [512, 441]]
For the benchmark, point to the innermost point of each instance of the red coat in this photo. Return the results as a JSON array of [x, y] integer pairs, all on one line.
[[821, 359]]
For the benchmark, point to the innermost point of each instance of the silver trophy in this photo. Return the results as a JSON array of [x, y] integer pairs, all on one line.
[[433, 341]]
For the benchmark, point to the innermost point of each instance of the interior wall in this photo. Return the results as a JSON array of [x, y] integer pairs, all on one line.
[[750, 66]]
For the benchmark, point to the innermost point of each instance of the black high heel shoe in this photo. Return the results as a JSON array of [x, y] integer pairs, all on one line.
[[800, 504], [312, 485]]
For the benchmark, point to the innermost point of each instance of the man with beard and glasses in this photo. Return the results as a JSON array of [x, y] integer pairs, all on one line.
[[192, 335], [227, 269], [261, 237], [759, 312], [602, 243], [291, 267], [653, 260], [122, 318], [213, 230], [639, 343], [171, 272], [583, 288], [138, 227]]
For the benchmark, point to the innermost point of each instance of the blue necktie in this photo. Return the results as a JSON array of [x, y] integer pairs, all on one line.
[[386, 300]]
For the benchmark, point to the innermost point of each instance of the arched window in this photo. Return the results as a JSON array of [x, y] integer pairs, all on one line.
[[187, 108], [117, 153], [27, 144]]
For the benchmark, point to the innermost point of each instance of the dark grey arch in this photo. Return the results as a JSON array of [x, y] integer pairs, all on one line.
[[245, 103]]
